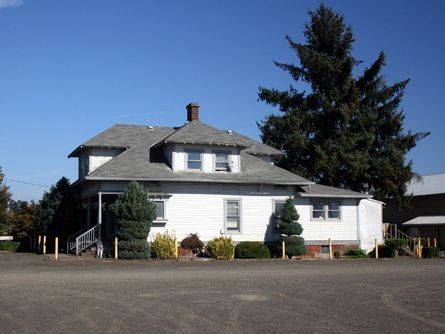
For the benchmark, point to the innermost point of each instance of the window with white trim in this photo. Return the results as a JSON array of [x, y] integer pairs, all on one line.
[[329, 210], [222, 161], [232, 215], [160, 209], [193, 159], [278, 210]]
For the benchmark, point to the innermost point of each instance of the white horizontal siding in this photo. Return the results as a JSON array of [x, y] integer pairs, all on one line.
[[179, 158], [200, 208], [98, 157], [344, 229]]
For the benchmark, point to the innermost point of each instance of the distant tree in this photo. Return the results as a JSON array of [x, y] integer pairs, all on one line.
[[5, 197], [24, 217], [52, 207], [135, 214], [345, 131], [291, 228]]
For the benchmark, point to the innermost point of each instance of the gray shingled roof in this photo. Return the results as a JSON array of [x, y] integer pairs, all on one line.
[[196, 132], [318, 190], [134, 164], [125, 136]]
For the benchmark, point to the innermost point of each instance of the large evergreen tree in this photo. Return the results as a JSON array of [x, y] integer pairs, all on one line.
[[345, 132], [135, 213]]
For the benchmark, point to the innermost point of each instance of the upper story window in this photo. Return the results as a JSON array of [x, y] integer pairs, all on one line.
[[222, 162], [193, 159], [326, 210]]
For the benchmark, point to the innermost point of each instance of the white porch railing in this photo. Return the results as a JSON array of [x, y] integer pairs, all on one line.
[[84, 240]]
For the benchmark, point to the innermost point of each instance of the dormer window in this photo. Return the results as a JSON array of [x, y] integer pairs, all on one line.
[[222, 163], [194, 159]]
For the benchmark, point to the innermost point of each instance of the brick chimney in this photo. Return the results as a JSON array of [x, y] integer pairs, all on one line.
[[192, 112]]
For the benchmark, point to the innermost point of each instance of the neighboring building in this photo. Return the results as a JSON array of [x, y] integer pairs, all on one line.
[[215, 182], [426, 215]]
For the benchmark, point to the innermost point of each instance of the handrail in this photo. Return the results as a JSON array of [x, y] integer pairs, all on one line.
[[86, 239], [71, 236]]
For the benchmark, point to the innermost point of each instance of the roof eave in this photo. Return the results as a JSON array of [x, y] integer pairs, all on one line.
[[335, 195], [100, 178]]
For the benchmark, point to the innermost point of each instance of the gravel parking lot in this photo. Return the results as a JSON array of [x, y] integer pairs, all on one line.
[[77, 295]]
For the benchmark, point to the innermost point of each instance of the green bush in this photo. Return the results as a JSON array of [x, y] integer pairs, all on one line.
[[430, 252], [221, 248], [193, 243], [135, 214], [337, 255], [394, 243], [12, 246], [251, 250], [294, 246], [289, 224], [356, 253], [384, 252], [163, 246]]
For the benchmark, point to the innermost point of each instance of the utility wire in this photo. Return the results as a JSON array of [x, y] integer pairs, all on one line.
[[28, 183]]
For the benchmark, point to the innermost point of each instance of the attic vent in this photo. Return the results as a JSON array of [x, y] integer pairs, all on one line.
[[150, 127], [229, 132]]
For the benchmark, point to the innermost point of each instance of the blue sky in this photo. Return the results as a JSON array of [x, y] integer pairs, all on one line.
[[69, 69]]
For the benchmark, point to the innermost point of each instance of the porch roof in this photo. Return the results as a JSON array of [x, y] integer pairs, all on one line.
[[425, 221]]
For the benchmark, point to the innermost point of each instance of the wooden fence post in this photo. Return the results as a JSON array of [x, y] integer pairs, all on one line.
[[435, 242], [115, 248], [376, 249], [176, 249], [419, 248], [428, 242], [330, 249], [39, 242], [283, 249], [56, 248], [44, 244]]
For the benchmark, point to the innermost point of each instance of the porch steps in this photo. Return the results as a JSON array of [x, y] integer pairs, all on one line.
[[78, 242]]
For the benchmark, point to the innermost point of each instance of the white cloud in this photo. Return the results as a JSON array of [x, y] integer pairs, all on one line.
[[10, 3]]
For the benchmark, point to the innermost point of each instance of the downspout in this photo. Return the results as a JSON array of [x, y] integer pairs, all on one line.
[[358, 223]]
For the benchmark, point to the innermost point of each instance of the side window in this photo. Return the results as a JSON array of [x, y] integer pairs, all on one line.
[[232, 215], [278, 210], [160, 209], [222, 161], [326, 210], [194, 159]]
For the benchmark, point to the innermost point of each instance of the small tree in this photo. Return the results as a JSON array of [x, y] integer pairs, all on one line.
[[135, 213], [291, 228], [5, 197]]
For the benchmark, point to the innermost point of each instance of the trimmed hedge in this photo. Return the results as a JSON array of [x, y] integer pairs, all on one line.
[[251, 250], [395, 243], [11, 246], [356, 253], [430, 252], [221, 248]]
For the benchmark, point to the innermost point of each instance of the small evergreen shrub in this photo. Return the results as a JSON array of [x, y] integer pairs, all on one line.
[[395, 243], [251, 250], [221, 248], [163, 246], [193, 243], [11, 246], [289, 220], [430, 252], [294, 246], [134, 213], [356, 253]]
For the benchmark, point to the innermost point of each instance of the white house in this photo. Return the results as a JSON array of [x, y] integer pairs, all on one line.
[[214, 182]]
